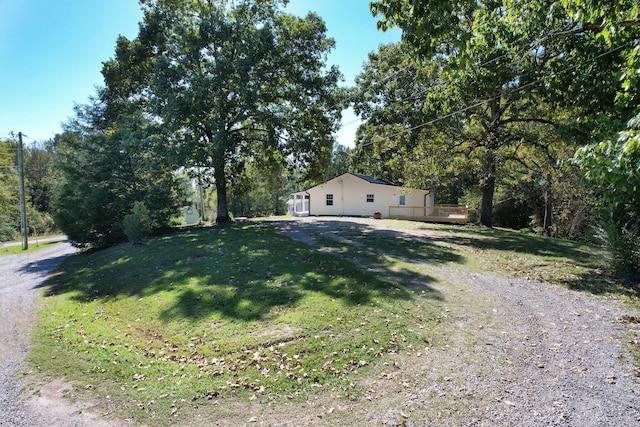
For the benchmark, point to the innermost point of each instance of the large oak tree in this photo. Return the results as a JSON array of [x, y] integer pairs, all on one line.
[[230, 82]]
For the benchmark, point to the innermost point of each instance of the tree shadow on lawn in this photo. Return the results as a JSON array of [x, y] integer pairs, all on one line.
[[237, 271], [367, 247], [42, 266], [575, 265], [351, 238], [515, 241], [572, 264], [401, 243]]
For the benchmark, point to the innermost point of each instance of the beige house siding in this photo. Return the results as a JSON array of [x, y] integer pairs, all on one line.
[[351, 196]]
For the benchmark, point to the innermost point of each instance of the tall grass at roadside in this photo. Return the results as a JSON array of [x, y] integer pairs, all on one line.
[[234, 311]]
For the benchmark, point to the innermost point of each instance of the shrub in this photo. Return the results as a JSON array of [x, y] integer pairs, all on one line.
[[137, 225], [7, 231], [623, 243]]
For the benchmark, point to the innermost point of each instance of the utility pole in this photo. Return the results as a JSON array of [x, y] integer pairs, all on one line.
[[23, 200]]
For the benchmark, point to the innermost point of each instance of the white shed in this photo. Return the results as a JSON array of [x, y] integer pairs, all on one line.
[[353, 194]]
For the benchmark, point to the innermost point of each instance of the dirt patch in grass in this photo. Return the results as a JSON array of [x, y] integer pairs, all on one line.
[[57, 402]]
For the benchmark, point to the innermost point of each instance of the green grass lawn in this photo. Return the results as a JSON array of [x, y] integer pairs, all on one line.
[[17, 249], [221, 312], [158, 332]]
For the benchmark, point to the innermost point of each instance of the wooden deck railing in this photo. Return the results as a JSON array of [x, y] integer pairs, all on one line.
[[438, 213]]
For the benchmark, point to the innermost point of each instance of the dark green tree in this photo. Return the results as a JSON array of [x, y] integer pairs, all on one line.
[[104, 168]]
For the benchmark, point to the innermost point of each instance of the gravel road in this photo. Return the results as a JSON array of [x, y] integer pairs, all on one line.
[[20, 278]]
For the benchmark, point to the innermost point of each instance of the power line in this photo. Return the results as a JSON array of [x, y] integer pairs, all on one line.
[[531, 46], [416, 95]]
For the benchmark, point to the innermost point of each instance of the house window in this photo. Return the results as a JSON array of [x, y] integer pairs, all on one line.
[[369, 198], [403, 200], [329, 199]]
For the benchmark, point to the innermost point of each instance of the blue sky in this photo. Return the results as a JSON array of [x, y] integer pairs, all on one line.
[[51, 54]]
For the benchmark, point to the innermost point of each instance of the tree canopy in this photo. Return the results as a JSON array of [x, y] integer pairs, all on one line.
[[495, 64], [219, 90]]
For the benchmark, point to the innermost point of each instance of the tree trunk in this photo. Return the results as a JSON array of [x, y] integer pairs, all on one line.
[[221, 191], [547, 214], [488, 184], [486, 206], [277, 195], [489, 163]]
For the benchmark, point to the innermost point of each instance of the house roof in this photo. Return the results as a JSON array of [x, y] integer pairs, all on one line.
[[371, 179], [367, 178]]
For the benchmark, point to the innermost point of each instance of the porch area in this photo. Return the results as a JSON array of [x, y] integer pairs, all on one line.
[[298, 204], [438, 213]]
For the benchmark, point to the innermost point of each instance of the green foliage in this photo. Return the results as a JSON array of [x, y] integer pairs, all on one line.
[[104, 171], [613, 167], [39, 222], [40, 176], [340, 161], [261, 188], [9, 192], [137, 224], [623, 243], [39, 181], [8, 231], [487, 69]]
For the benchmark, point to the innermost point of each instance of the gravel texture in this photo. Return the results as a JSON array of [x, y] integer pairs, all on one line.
[[559, 354], [21, 276], [520, 353]]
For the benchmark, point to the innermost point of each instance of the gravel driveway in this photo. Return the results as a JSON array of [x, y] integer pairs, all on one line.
[[519, 353], [20, 278]]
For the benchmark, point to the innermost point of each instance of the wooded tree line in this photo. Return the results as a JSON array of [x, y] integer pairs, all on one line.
[[526, 111], [38, 160]]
